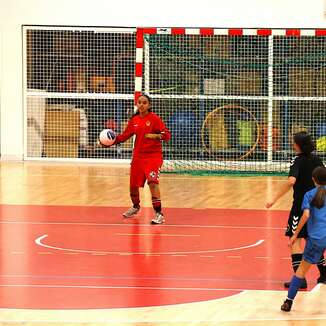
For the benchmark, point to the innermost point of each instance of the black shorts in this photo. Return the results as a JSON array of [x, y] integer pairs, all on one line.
[[293, 222]]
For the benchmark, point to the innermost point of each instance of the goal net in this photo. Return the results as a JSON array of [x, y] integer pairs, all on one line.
[[233, 101]]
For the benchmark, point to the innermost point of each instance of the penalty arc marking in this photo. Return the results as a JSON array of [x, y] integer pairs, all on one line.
[[39, 242]]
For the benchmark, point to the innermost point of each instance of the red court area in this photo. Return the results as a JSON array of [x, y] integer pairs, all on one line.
[[75, 257]]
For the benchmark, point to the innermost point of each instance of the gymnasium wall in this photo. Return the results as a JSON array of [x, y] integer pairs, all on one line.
[[206, 13]]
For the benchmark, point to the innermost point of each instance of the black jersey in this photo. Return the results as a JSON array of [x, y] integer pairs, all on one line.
[[301, 168]]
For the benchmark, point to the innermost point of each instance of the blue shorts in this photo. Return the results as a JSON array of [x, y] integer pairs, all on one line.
[[312, 252]]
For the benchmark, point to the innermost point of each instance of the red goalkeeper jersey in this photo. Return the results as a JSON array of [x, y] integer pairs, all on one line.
[[139, 126]]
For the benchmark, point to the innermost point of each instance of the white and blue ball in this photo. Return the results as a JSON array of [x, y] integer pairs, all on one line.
[[107, 137]]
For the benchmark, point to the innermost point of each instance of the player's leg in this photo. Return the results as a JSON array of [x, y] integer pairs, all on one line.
[[296, 248], [297, 255], [295, 284], [137, 180], [156, 202], [134, 209], [152, 170], [311, 255], [322, 270]]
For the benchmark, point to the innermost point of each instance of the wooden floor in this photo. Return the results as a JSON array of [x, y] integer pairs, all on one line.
[[35, 183]]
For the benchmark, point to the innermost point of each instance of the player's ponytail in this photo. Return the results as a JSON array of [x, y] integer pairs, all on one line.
[[319, 175]]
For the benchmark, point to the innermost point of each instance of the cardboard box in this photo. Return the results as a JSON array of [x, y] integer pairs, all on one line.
[[61, 133], [61, 147], [62, 124]]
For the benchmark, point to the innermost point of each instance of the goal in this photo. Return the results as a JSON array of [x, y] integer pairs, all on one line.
[[233, 98]]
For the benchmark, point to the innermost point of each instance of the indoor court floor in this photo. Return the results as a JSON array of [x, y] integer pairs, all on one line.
[[69, 258]]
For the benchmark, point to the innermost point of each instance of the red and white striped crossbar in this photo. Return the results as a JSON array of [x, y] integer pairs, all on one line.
[[235, 31], [207, 32]]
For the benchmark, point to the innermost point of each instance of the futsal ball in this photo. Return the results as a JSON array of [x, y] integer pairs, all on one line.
[[107, 137]]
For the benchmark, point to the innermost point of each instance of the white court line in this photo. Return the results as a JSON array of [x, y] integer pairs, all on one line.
[[315, 288], [159, 234], [144, 225], [119, 287], [38, 241]]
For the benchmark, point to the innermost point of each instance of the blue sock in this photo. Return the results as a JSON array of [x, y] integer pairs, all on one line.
[[294, 287]]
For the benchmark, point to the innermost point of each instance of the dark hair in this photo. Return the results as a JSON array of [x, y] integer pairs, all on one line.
[[304, 141], [147, 96], [149, 101], [319, 175]]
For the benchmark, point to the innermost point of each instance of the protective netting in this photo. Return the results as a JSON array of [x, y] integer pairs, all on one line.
[[79, 82], [232, 103]]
